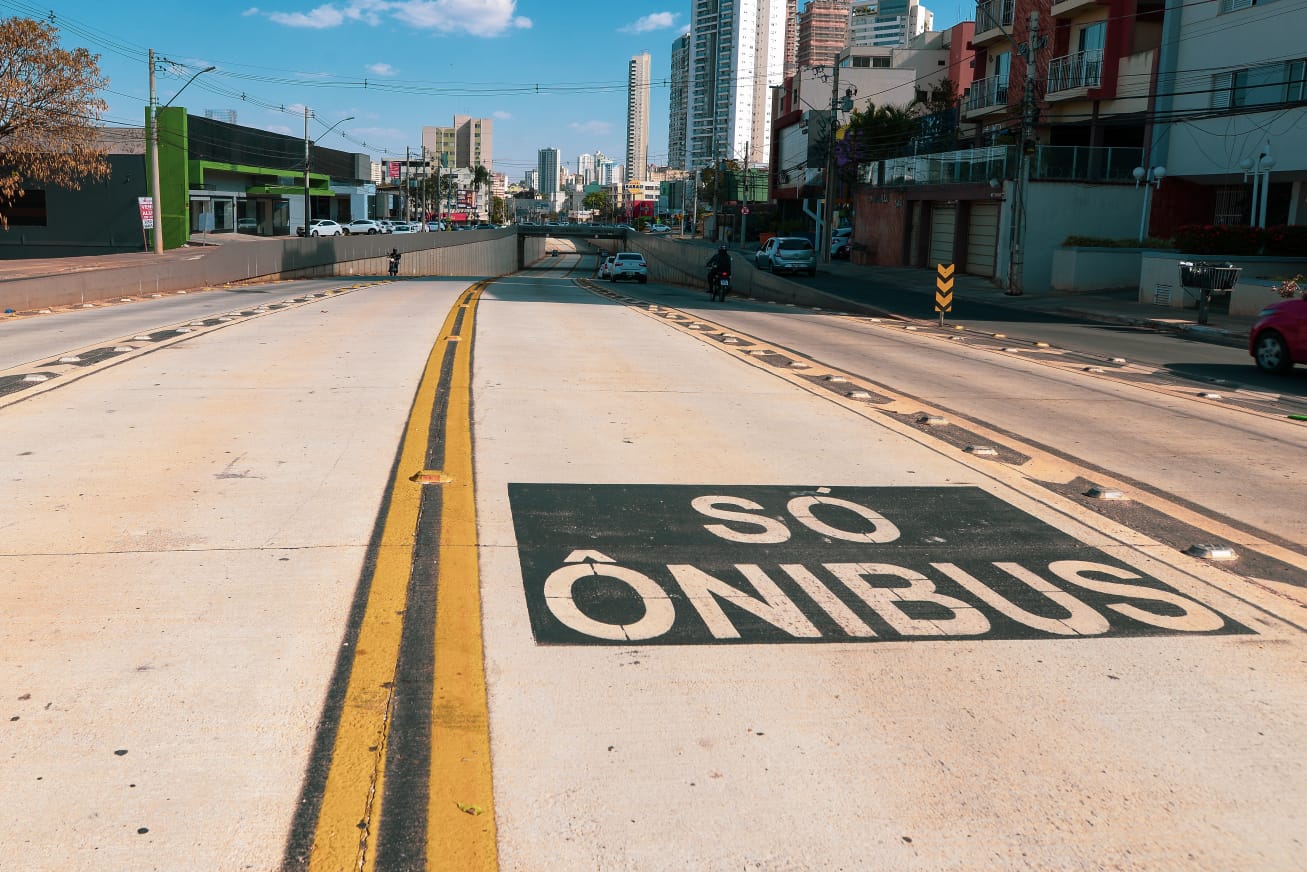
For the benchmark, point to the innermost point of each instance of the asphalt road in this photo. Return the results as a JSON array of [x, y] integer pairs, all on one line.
[[533, 574]]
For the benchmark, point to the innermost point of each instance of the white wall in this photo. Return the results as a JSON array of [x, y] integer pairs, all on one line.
[[1056, 211]]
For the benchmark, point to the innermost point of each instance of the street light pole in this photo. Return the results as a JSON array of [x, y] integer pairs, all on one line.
[[1150, 178], [307, 113], [828, 207], [155, 199]]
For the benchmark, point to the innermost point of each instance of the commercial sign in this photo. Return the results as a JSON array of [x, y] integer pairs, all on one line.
[[393, 169], [146, 207], [711, 564]]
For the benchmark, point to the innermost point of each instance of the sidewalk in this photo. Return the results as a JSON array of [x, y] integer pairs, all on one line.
[[1116, 307]]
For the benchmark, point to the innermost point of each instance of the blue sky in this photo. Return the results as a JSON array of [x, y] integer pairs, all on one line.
[[552, 73]]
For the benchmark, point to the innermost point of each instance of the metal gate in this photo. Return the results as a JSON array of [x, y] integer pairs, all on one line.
[[982, 239], [942, 219]]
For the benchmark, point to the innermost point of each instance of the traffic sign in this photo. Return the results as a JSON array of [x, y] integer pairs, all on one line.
[[943, 290], [721, 564]]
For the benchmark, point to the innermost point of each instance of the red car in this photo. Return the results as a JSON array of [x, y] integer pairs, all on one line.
[[1279, 338]]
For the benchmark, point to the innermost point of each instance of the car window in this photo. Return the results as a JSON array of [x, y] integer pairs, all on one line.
[[628, 256], [795, 245]]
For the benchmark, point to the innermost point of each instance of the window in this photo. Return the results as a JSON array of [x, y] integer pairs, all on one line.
[[861, 61], [1265, 85], [1236, 5], [880, 63], [1094, 36], [27, 210]]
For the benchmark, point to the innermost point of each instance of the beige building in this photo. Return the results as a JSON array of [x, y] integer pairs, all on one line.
[[469, 143]]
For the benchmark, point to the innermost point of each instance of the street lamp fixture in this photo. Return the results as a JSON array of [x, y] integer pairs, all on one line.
[[156, 200], [307, 113], [1150, 178], [1260, 171]]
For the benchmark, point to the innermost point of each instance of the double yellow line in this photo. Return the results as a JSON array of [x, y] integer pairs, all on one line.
[[460, 825]]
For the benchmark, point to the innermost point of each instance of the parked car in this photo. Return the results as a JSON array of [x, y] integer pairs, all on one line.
[[403, 227], [435, 225], [787, 254], [362, 225], [841, 243], [629, 265], [323, 227], [247, 225], [606, 267], [1278, 339], [660, 228]]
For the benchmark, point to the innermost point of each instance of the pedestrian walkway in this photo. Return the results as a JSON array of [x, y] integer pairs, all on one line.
[[1113, 307]]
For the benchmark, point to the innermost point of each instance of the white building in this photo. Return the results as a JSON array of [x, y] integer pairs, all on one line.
[[737, 53], [888, 23], [547, 172], [585, 168], [637, 112]]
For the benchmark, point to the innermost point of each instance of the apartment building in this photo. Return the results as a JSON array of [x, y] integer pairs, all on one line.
[[637, 113], [823, 32], [677, 108]]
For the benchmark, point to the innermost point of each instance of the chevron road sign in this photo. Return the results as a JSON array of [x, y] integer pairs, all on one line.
[[944, 290]]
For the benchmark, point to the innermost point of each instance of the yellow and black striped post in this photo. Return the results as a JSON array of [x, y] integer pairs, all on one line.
[[943, 290]]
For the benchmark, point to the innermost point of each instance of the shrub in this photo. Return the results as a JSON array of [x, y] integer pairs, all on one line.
[[1286, 240], [1218, 239], [1101, 242]]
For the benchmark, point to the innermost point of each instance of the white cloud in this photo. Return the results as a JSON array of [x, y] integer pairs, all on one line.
[[653, 21], [253, 10], [278, 128], [319, 19], [476, 17], [598, 128], [380, 69], [501, 115]]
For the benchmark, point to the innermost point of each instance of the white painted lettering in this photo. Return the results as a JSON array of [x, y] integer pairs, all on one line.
[[1081, 621], [830, 603], [659, 613], [773, 531], [887, 601], [1196, 618], [775, 607], [883, 531]]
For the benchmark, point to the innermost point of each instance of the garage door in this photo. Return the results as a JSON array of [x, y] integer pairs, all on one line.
[[942, 218], [982, 239]]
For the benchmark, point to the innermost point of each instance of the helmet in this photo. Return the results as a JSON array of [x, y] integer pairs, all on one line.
[[723, 248]]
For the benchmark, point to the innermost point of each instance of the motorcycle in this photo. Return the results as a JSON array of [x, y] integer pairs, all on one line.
[[394, 266], [719, 285]]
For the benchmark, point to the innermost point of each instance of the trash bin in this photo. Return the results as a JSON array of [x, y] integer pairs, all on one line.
[[1206, 277]]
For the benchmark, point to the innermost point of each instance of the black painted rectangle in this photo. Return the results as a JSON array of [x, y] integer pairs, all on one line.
[[712, 564]]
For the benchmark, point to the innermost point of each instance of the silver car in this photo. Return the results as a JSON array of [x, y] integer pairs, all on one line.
[[787, 254]]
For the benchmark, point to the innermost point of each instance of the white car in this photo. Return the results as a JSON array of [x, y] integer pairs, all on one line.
[[606, 267], [401, 227], [660, 228], [325, 227], [629, 265], [363, 225]]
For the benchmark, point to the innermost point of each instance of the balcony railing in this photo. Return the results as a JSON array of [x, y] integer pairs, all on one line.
[[994, 13], [1084, 69], [1071, 163], [985, 93], [1080, 163], [969, 165]]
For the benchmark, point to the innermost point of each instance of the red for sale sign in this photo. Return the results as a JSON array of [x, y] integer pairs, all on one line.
[[146, 205]]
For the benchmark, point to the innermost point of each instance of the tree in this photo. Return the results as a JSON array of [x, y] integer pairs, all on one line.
[[498, 210], [708, 181], [48, 112], [599, 201], [481, 178]]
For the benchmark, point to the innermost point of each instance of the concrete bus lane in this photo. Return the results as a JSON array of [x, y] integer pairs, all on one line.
[[730, 623], [183, 540]]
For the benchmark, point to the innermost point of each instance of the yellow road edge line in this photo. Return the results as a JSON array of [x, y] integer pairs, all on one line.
[[352, 794], [461, 831]]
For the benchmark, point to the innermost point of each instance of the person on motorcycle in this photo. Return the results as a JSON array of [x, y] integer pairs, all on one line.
[[394, 261], [718, 264]]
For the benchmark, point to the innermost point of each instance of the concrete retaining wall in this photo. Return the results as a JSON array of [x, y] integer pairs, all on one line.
[[466, 253], [1160, 272]]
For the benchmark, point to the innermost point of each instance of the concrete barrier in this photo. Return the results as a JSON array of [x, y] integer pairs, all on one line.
[[466, 253]]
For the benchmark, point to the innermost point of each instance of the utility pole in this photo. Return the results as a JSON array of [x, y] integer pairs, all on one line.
[[1029, 118], [155, 199], [717, 196], [307, 208], [828, 207], [744, 200]]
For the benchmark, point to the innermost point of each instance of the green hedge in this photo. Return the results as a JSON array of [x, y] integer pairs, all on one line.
[[1280, 241], [1102, 242]]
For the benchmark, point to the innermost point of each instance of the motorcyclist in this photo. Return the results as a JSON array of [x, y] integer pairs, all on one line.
[[394, 261], [718, 264]]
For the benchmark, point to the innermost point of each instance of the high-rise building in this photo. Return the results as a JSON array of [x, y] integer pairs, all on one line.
[[585, 168], [677, 105], [637, 113], [468, 144], [737, 54], [823, 32], [548, 165], [227, 115], [791, 37], [532, 180], [888, 23]]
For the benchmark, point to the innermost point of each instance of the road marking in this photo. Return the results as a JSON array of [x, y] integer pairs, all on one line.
[[350, 807]]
